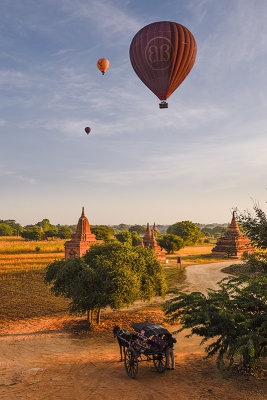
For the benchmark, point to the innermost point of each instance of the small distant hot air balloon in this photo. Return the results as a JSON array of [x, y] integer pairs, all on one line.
[[162, 55], [103, 65], [87, 130]]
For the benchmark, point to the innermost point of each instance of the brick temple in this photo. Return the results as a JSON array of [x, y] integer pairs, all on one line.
[[149, 240], [233, 244], [81, 240]]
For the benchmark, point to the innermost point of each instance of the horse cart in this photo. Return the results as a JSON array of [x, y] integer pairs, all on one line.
[[146, 344]]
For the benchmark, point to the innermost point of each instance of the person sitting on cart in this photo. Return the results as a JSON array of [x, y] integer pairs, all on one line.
[[170, 340], [157, 343]]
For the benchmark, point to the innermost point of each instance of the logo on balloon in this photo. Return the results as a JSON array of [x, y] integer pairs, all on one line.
[[159, 53]]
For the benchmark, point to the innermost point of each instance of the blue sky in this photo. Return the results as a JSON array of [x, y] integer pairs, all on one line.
[[196, 160]]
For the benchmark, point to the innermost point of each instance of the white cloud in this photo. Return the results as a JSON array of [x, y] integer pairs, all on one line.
[[109, 19], [239, 35], [17, 176]]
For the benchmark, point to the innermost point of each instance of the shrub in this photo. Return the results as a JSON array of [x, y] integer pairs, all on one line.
[[234, 318]]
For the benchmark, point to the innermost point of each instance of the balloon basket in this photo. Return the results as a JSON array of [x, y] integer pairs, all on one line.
[[163, 105]]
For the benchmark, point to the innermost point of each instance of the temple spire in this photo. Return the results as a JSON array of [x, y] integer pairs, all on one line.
[[155, 229], [81, 240], [234, 225], [233, 243], [147, 236]]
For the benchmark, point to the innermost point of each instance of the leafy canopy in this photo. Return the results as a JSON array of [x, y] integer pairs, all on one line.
[[103, 232], [255, 226], [113, 274], [170, 243], [187, 230], [233, 319], [131, 238], [140, 229]]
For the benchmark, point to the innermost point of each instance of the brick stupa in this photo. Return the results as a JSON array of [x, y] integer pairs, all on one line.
[[233, 244], [81, 240], [149, 240]]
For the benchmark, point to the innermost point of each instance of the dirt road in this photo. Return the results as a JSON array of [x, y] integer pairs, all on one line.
[[202, 276]]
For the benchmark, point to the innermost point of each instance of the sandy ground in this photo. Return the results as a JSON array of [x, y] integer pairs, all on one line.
[[202, 276], [39, 359]]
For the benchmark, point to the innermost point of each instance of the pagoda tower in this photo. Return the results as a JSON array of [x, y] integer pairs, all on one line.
[[155, 229], [81, 240], [149, 240], [233, 244], [147, 236]]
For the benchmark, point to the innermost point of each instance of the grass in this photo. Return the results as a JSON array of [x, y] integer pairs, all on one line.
[[239, 269], [16, 245], [18, 255], [175, 277]]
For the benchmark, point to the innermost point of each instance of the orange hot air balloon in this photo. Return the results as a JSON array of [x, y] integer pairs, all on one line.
[[162, 55], [103, 65]]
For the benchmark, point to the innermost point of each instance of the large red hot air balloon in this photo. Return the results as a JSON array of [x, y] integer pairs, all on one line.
[[162, 55]]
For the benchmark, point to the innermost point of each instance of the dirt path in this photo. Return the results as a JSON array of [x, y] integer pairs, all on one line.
[[202, 276], [40, 360]]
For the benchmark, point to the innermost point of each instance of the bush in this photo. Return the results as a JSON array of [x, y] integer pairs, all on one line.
[[233, 318]]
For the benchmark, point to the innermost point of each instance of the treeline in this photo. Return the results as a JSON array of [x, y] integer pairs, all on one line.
[[170, 237], [40, 231]]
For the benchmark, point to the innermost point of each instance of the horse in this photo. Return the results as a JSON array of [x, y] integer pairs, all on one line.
[[124, 338]]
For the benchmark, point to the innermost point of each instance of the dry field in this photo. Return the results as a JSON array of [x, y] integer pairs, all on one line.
[[23, 293], [18, 255]]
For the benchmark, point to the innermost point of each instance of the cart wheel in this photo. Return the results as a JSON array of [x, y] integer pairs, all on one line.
[[131, 362], [160, 361]]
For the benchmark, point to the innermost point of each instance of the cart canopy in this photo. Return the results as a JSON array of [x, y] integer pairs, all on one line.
[[150, 329]]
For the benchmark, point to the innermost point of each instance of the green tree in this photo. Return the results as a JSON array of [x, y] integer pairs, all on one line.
[[17, 228], [64, 232], [187, 230], [140, 229], [123, 227], [136, 240], [124, 237], [32, 233], [218, 230], [171, 243], [132, 238], [111, 274], [233, 318], [142, 262], [255, 226], [45, 224], [6, 230], [103, 232], [51, 232], [255, 263]]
